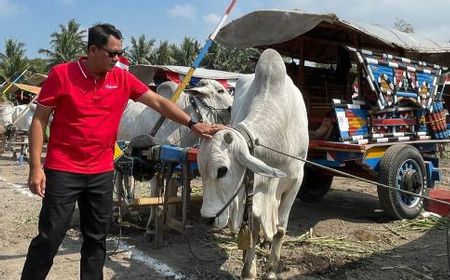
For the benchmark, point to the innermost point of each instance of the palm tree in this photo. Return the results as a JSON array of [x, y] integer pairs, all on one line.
[[141, 51], [233, 60], [163, 54], [67, 44], [13, 60], [186, 52]]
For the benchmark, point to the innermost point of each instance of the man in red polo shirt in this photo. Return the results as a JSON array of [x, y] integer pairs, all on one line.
[[87, 98]]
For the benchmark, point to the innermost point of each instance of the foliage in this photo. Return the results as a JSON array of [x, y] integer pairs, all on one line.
[[67, 44], [186, 52], [37, 65], [163, 54], [12, 60], [233, 60], [141, 51]]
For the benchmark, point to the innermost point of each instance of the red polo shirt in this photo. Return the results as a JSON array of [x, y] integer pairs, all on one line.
[[87, 114]]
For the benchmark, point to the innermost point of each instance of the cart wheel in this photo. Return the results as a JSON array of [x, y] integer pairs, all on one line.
[[402, 167], [314, 186]]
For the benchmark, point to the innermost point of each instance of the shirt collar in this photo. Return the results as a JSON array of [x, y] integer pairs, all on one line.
[[81, 62]]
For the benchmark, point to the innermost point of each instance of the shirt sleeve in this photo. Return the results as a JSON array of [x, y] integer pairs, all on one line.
[[137, 88], [49, 91]]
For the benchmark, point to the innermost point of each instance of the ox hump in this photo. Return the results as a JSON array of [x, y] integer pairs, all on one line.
[[270, 68]]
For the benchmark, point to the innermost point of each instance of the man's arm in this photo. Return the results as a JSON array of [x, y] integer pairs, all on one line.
[[171, 111], [36, 179]]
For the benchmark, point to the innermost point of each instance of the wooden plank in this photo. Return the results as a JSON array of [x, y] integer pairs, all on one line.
[[393, 122], [155, 201]]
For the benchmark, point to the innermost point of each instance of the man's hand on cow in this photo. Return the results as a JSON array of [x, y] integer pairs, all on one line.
[[36, 181], [207, 130]]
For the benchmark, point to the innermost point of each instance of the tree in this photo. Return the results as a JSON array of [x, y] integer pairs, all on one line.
[[13, 60], [163, 54], [67, 44], [403, 26], [186, 52], [141, 51], [37, 65]]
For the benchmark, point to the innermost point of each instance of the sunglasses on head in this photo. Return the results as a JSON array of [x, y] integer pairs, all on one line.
[[113, 54]]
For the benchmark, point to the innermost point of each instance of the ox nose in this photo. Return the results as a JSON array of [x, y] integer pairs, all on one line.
[[221, 172], [207, 221]]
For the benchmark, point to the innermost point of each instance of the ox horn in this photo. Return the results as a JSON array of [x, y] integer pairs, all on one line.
[[258, 166]]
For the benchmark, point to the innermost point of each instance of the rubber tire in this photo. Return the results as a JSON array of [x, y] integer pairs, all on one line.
[[393, 159], [314, 186]]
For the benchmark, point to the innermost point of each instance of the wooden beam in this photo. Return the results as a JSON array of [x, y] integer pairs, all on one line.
[[155, 201]]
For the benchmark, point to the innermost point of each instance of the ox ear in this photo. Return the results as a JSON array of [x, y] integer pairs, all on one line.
[[228, 137], [258, 166]]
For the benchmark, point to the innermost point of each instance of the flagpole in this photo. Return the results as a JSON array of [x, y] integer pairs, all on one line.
[[15, 80], [195, 65]]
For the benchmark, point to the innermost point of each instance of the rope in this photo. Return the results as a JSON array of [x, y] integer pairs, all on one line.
[[212, 109], [257, 143], [194, 255]]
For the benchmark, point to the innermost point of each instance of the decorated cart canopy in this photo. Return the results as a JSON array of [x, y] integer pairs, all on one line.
[[297, 34], [153, 75]]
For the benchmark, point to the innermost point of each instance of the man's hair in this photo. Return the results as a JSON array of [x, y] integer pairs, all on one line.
[[98, 35]]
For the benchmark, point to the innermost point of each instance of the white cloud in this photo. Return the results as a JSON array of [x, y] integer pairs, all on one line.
[[7, 8], [182, 11], [212, 18]]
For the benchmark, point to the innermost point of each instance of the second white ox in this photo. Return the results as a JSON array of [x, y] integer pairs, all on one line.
[[270, 108], [20, 116], [211, 98]]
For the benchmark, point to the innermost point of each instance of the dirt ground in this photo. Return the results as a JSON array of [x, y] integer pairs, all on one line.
[[345, 236]]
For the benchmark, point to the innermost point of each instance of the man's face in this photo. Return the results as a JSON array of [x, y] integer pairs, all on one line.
[[107, 56]]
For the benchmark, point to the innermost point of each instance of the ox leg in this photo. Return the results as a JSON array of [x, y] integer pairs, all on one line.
[[287, 200], [172, 190], [154, 192], [274, 259], [249, 256]]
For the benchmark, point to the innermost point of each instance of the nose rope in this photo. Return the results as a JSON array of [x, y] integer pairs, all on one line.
[[229, 201]]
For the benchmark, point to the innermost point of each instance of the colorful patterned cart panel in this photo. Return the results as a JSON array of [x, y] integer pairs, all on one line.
[[352, 122], [408, 105]]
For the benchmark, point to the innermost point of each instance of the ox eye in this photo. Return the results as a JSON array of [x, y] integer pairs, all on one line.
[[221, 172]]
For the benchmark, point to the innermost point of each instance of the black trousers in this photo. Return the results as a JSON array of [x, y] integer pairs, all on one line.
[[94, 195]]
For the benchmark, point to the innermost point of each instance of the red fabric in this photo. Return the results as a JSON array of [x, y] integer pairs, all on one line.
[[86, 117], [224, 83], [174, 77]]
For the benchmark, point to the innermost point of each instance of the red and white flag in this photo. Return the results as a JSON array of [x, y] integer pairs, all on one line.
[[123, 63]]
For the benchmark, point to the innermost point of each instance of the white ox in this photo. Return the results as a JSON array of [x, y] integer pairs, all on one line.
[[20, 116], [271, 109], [138, 119]]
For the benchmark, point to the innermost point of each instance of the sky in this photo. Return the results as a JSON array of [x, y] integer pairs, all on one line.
[[32, 22]]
